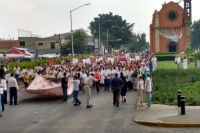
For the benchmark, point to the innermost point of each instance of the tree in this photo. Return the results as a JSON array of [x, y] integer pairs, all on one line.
[[188, 51], [138, 43], [123, 30], [80, 40], [195, 34]]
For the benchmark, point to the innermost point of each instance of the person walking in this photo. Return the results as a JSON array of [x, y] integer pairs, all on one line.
[[140, 89], [106, 74], [64, 81], [97, 76], [2, 71], [76, 83], [1, 93], [4, 82], [26, 80], [178, 61], [185, 63], [13, 86], [88, 84], [124, 88], [148, 88], [16, 71], [129, 79], [5, 61], [116, 85]]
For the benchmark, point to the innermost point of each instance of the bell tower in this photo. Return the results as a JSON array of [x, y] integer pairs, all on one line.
[[188, 11], [188, 19]]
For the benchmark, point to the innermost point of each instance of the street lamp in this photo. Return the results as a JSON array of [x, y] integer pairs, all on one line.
[[10, 40], [99, 35], [71, 27], [107, 33]]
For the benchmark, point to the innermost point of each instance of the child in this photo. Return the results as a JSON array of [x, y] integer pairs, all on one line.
[[140, 89]]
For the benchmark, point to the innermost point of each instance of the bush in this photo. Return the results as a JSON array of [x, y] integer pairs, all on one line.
[[165, 58], [31, 64], [166, 53], [168, 81], [171, 58]]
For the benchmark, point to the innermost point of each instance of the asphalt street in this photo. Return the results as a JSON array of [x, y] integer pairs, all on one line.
[[46, 114]]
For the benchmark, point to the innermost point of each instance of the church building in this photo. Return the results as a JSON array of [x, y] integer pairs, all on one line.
[[170, 27]]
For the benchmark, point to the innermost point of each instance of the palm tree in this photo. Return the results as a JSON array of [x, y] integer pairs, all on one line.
[[187, 51]]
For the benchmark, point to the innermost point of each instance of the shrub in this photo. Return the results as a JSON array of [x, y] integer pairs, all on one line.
[[165, 58], [169, 81], [166, 53], [31, 64]]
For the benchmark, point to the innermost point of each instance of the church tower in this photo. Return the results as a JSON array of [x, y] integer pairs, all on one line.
[[188, 9], [188, 19]]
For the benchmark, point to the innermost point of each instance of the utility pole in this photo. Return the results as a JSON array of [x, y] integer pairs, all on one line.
[[60, 46]]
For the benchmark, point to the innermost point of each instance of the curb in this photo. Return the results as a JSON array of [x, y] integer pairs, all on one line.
[[166, 124]]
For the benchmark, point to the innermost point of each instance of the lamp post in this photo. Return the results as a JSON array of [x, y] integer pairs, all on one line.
[[10, 40], [71, 27], [100, 36], [107, 33]]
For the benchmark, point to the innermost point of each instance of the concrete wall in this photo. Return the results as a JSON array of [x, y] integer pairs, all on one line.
[[29, 42]]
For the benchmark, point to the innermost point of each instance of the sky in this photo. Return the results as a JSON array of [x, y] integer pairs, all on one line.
[[49, 17]]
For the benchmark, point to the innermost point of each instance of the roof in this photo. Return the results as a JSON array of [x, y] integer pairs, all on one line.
[[16, 51]]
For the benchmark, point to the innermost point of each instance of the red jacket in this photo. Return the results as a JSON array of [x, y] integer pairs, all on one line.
[[97, 75]]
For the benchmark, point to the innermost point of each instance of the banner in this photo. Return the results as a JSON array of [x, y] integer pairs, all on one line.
[[75, 61]]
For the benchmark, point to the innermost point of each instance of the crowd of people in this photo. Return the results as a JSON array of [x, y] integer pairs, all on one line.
[[101, 75]]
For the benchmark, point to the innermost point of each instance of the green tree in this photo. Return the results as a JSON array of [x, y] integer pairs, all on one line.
[[195, 35], [138, 43], [188, 51], [123, 30], [80, 40]]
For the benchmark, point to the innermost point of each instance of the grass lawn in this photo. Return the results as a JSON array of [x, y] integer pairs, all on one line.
[[172, 65], [166, 83]]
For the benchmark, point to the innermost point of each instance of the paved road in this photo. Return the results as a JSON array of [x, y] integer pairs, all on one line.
[[39, 114]]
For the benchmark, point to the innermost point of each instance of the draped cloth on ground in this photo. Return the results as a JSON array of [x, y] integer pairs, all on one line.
[[47, 86]]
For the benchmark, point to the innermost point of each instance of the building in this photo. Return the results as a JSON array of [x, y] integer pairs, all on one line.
[[6, 45], [46, 45], [170, 27]]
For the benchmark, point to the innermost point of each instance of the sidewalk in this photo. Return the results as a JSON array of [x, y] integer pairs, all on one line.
[[167, 116]]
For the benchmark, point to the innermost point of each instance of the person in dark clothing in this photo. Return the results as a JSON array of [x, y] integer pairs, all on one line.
[[64, 86], [116, 85], [2, 72], [124, 88]]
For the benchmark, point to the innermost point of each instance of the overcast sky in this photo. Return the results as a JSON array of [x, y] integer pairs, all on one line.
[[48, 17]]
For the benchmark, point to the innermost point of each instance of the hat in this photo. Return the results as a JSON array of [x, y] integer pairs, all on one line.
[[147, 73]]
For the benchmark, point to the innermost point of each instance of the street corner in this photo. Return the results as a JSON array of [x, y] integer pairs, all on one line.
[[166, 124]]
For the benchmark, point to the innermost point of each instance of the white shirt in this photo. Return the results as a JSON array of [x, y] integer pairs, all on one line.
[[83, 77], [106, 73], [141, 83], [4, 83], [60, 75], [129, 74], [76, 84], [89, 80], [149, 89], [1, 88], [12, 82], [142, 70], [16, 70], [154, 59], [178, 60]]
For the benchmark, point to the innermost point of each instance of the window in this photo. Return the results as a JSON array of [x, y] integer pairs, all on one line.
[[52, 45], [22, 43], [40, 44], [172, 15]]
